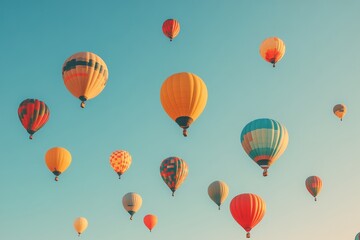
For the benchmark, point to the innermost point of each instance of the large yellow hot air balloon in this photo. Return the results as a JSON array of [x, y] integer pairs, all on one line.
[[183, 97], [57, 160], [218, 192], [272, 50], [340, 110], [85, 75], [132, 203], [80, 224]]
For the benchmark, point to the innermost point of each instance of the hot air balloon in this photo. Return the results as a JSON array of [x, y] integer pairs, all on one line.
[[218, 192], [264, 140], [85, 75], [33, 115], [272, 50], [80, 225], [183, 97], [171, 28], [150, 221], [313, 185], [57, 160], [340, 110], [247, 209], [357, 237], [173, 171], [132, 203], [120, 161]]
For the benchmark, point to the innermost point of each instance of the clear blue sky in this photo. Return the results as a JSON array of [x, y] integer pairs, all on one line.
[[219, 41]]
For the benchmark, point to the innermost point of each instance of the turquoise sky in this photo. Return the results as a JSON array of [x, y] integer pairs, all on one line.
[[219, 41]]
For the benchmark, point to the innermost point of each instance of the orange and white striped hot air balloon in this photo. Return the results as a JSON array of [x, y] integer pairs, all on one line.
[[313, 185], [340, 110], [272, 50], [120, 161]]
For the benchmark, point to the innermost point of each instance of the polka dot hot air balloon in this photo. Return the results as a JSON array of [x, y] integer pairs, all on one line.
[[85, 75], [171, 28], [264, 140], [340, 110], [183, 97], [313, 185], [173, 171], [120, 161], [33, 115], [248, 210], [272, 50]]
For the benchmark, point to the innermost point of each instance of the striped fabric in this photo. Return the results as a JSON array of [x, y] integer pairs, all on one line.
[[313, 185], [171, 28]]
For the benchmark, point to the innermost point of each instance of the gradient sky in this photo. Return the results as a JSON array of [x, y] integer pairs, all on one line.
[[219, 41]]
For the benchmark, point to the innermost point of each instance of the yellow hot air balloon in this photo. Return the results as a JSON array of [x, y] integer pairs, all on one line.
[[120, 161], [272, 50], [85, 75], [218, 192], [57, 160], [80, 225], [340, 111], [183, 97], [132, 203]]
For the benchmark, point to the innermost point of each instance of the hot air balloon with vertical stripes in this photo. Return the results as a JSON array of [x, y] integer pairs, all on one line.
[[120, 161], [248, 210], [264, 140], [313, 185], [85, 75], [183, 97], [173, 171], [33, 115], [272, 50], [340, 110], [80, 225], [132, 203], [57, 160], [150, 221], [218, 192], [171, 28]]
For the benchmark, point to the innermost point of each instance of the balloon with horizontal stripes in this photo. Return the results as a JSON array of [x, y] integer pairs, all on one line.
[[218, 192], [33, 115], [313, 185], [132, 203], [120, 161], [248, 210], [264, 140], [171, 28], [272, 50], [173, 171], [85, 75], [340, 110], [183, 97], [57, 160]]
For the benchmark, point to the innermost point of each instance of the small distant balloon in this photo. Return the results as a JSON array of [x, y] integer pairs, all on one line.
[[173, 171], [218, 192], [340, 110], [80, 225], [313, 185], [132, 203], [57, 160], [272, 50], [120, 161], [171, 28], [150, 221]]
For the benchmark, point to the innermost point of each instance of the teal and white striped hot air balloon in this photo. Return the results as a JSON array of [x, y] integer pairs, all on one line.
[[264, 140]]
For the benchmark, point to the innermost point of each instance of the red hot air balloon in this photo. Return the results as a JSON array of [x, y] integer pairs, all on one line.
[[313, 185], [171, 28], [33, 115], [247, 209], [150, 221]]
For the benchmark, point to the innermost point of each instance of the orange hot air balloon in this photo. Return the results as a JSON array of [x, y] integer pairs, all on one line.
[[150, 221], [80, 225], [272, 50], [313, 185], [57, 159], [183, 97], [33, 115], [247, 209], [340, 111], [85, 75], [120, 161], [171, 28]]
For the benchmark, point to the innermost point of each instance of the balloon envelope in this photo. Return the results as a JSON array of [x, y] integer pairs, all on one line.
[[340, 110], [183, 97], [272, 50], [150, 221], [33, 115], [264, 140], [120, 161], [80, 225], [171, 28], [218, 192], [85, 75], [173, 171], [313, 185], [57, 160], [248, 210], [132, 203]]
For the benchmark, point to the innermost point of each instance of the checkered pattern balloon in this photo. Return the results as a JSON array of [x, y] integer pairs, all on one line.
[[120, 161]]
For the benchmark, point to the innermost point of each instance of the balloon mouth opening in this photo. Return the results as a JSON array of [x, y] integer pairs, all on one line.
[[184, 122]]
